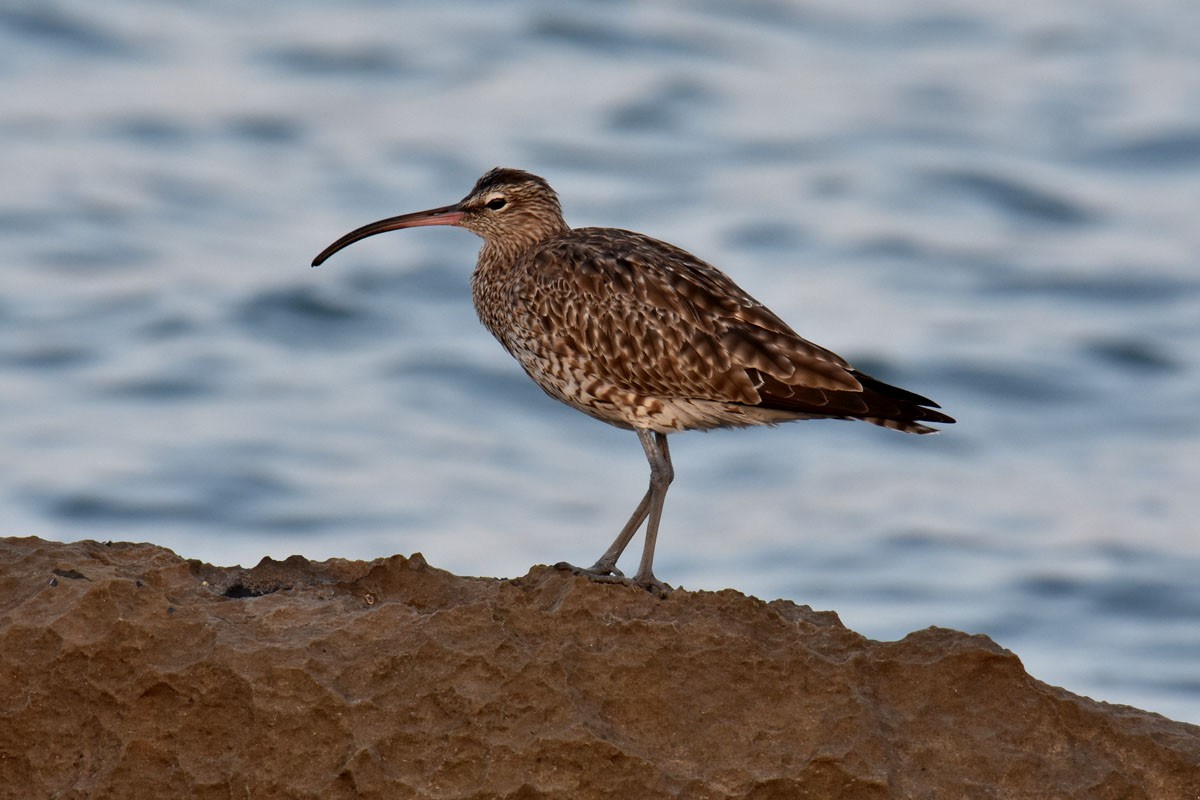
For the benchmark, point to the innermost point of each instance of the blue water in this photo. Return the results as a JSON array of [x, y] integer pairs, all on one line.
[[992, 204]]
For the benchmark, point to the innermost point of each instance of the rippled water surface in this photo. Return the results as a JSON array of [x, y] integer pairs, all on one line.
[[992, 204]]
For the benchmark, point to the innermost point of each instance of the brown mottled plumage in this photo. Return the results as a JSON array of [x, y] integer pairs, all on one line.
[[643, 335]]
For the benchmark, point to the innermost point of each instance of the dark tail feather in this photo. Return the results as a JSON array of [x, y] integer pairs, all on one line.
[[878, 403], [912, 407]]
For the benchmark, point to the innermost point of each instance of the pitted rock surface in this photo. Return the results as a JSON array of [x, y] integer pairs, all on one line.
[[129, 672]]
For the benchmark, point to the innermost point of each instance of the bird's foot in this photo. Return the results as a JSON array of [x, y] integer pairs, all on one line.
[[601, 573], [604, 573], [652, 585]]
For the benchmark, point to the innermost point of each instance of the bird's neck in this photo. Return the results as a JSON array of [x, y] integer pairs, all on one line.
[[500, 251], [496, 254], [495, 284]]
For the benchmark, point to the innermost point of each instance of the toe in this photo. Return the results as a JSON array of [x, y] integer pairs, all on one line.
[[594, 571], [652, 584]]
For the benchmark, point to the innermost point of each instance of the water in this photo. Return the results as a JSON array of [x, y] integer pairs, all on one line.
[[991, 204]]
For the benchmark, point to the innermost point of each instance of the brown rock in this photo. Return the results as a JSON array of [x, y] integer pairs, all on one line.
[[128, 672]]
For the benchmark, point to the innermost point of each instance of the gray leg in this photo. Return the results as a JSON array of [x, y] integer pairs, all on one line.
[[661, 475], [651, 505]]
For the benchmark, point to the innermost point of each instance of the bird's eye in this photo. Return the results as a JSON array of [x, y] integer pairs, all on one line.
[[497, 204]]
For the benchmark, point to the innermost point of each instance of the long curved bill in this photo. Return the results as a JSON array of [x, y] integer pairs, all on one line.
[[446, 215]]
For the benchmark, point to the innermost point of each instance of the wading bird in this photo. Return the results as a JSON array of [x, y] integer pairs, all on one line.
[[644, 336]]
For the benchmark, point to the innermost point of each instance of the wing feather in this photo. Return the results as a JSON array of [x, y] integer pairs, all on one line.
[[659, 319], [652, 320]]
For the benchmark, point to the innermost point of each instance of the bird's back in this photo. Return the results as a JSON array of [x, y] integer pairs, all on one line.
[[639, 333]]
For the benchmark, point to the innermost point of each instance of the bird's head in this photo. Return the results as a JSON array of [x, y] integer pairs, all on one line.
[[510, 209]]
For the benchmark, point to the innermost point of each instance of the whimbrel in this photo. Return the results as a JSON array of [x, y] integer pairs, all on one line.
[[644, 336]]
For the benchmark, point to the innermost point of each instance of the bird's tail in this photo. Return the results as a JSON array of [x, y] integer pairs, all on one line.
[[903, 410], [876, 402]]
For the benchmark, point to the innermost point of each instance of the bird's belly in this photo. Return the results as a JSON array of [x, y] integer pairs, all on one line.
[[584, 391]]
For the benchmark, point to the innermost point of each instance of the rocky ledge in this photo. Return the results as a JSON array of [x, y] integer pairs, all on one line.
[[129, 672]]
